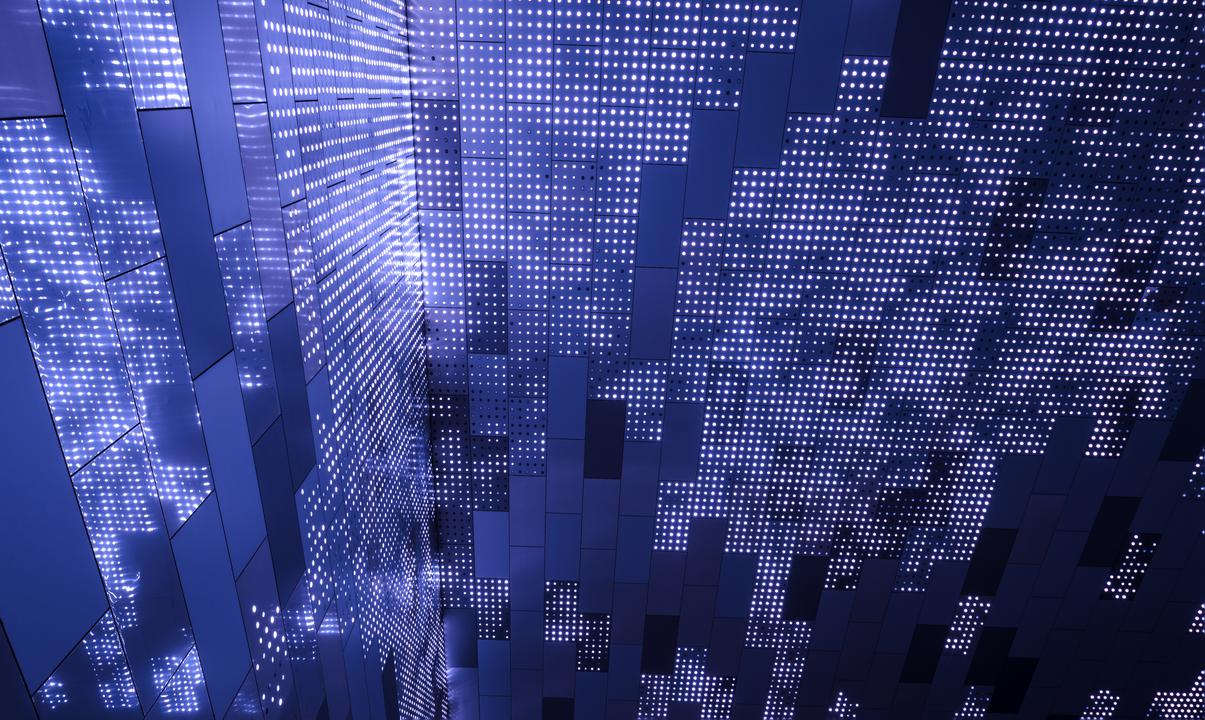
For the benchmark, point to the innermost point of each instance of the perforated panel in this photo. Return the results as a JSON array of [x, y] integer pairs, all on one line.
[[799, 298]]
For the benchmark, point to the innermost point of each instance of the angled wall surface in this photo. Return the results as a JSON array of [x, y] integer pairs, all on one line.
[[213, 461], [819, 358], [601, 359]]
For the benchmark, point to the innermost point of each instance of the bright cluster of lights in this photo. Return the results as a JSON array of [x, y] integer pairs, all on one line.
[[1196, 482], [843, 708], [563, 622], [1123, 582], [103, 650], [972, 613], [689, 683], [271, 655], [184, 692], [974, 705], [1180, 705], [1101, 706]]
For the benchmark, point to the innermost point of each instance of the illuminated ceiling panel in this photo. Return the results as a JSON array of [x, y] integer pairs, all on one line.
[[601, 359], [820, 346]]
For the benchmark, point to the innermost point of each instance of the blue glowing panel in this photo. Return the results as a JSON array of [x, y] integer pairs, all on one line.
[[158, 368], [178, 178], [443, 269], [484, 183], [120, 504], [51, 256], [264, 201], [724, 32], [836, 332], [93, 681], [301, 646], [305, 289], [572, 217], [482, 98], [184, 694], [152, 45], [278, 81], [569, 309], [248, 325], [89, 60], [220, 402], [433, 46], [212, 602], [528, 136], [291, 389], [227, 193], [240, 40], [438, 151], [264, 622], [529, 37]]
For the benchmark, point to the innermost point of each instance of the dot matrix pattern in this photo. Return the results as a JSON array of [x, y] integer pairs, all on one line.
[[689, 683], [645, 256], [843, 708], [235, 382], [972, 612], [563, 622], [974, 707], [875, 320], [1125, 579], [1101, 706], [1180, 704]]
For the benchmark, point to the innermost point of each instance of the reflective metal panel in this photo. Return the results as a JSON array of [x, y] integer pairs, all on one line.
[[90, 66], [158, 368], [120, 503], [52, 260]]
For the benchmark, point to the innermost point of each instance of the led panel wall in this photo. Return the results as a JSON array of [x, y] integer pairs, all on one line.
[[602, 359], [213, 445], [817, 358]]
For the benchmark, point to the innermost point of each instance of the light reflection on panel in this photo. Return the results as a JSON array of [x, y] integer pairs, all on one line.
[[265, 628], [158, 367], [125, 524], [305, 286], [865, 320], [243, 61], [334, 81], [278, 81], [245, 705], [263, 199], [86, 48], [93, 682], [52, 260], [153, 52], [301, 642], [245, 308], [184, 695]]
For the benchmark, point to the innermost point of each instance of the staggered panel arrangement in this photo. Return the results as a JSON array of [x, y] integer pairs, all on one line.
[[213, 453], [657, 358], [815, 358]]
